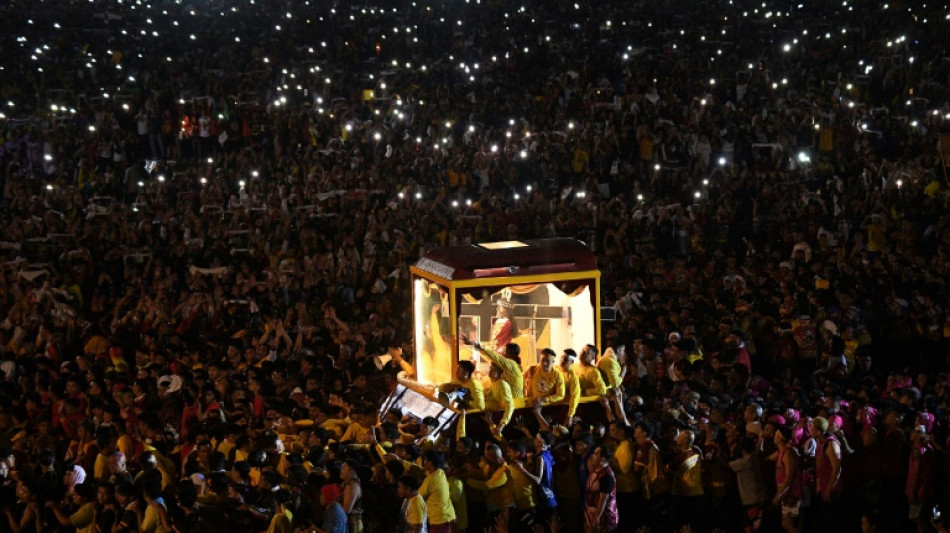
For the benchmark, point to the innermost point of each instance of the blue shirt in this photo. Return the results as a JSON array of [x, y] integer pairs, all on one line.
[[334, 519]]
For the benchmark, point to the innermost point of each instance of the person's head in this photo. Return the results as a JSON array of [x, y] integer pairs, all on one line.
[[407, 486], [105, 493], [642, 432], [513, 352], [783, 436], [433, 460], [464, 371], [495, 372], [25, 491], [547, 359], [618, 431], [599, 457], [589, 354], [685, 439], [494, 455], [568, 358], [349, 470], [187, 493], [117, 463], [543, 440], [84, 493], [282, 497], [819, 426]]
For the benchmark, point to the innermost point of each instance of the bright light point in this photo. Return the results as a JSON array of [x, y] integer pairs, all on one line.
[[913, 124], [722, 161], [161, 178], [141, 184], [255, 174], [900, 183], [468, 202], [494, 148], [210, 160], [528, 188], [640, 197], [471, 129], [204, 181], [524, 154], [570, 125], [48, 157], [705, 181], [787, 47], [803, 157], [241, 184], [348, 127], [49, 187], [418, 196], [697, 195], [455, 203], [702, 102], [401, 195], [448, 124], [517, 196]]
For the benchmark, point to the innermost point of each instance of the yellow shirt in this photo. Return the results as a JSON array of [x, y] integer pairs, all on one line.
[[498, 491], [83, 518], [610, 369], [281, 523], [500, 399], [573, 390], [100, 470], [622, 465], [687, 480], [457, 495], [416, 511], [353, 432], [511, 371], [152, 521], [590, 381], [476, 394], [523, 490], [435, 490], [549, 386]]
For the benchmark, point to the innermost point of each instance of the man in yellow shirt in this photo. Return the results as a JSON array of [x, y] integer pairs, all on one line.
[[435, 491], [611, 368], [283, 519], [592, 384], [547, 384], [475, 397], [499, 399], [628, 480], [571, 384], [509, 360], [499, 494], [84, 519]]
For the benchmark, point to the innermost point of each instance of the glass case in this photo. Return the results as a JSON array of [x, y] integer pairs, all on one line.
[[535, 294]]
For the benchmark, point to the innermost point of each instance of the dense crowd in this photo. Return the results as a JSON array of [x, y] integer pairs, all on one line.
[[209, 209]]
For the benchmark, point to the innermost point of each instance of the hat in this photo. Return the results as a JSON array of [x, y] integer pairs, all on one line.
[[330, 492]]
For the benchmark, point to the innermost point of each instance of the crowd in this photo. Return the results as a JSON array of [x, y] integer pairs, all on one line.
[[209, 210]]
